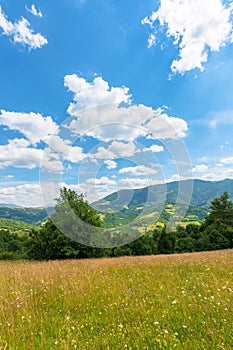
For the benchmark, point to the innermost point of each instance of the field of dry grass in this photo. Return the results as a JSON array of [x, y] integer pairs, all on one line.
[[156, 302]]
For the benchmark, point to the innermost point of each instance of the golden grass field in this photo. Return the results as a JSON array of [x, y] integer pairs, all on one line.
[[155, 302]]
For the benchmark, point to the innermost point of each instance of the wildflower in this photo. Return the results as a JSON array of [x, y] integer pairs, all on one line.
[[120, 325]]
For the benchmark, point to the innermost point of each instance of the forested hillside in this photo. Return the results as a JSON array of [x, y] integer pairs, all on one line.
[[48, 242], [202, 194], [29, 215]]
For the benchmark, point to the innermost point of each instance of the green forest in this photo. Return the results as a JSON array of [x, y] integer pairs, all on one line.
[[46, 242]]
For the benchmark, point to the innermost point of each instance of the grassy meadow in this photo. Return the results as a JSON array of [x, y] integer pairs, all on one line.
[[155, 302]]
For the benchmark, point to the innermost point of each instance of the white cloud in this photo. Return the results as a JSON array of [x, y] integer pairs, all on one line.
[[103, 181], [110, 164], [136, 183], [215, 171], [102, 153], [36, 129], [75, 154], [155, 149], [177, 177], [197, 27], [98, 92], [27, 195], [164, 127], [59, 148], [34, 11], [151, 41], [95, 188], [115, 149], [228, 160], [51, 165], [201, 168], [21, 32], [114, 121], [214, 175], [33, 126], [16, 153], [138, 170], [122, 149], [58, 145]]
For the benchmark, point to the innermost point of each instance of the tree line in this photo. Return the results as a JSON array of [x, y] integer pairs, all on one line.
[[49, 243]]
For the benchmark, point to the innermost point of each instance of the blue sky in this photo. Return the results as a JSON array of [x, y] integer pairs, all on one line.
[[102, 95]]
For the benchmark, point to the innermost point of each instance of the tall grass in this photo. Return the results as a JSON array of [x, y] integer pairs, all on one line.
[[157, 302]]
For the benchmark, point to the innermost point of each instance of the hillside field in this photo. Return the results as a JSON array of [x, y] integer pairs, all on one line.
[[152, 302]]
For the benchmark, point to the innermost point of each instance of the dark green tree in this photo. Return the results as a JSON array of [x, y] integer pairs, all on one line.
[[166, 242], [11, 245], [221, 212], [72, 214], [218, 225]]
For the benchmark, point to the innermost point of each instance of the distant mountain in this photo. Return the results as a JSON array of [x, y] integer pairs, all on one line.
[[11, 205], [32, 216], [15, 225], [202, 194], [149, 204], [158, 203]]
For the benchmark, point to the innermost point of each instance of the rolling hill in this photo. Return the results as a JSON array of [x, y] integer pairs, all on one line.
[[15, 225], [202, 194], [150, 204], [32, 216], [159, 202]]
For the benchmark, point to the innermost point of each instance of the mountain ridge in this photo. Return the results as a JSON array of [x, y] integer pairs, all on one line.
[[202, 193], [123, 205]]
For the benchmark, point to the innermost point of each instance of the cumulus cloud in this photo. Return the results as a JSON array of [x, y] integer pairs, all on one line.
[[138, 170], [197, 27], [115, 149], [21, 32], [36, 128], [113, 117], [122, 149], [24, 152], [59, 148], [110, 164], [137, 183], [98, 92], [33, 126], [155, 148], [214, 171], [102, 153], [163, 127], [27, 195], [201, 168], [217, 174], [16, 153], [96, 188], [228, 160], [33, 10], [151, 41]]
